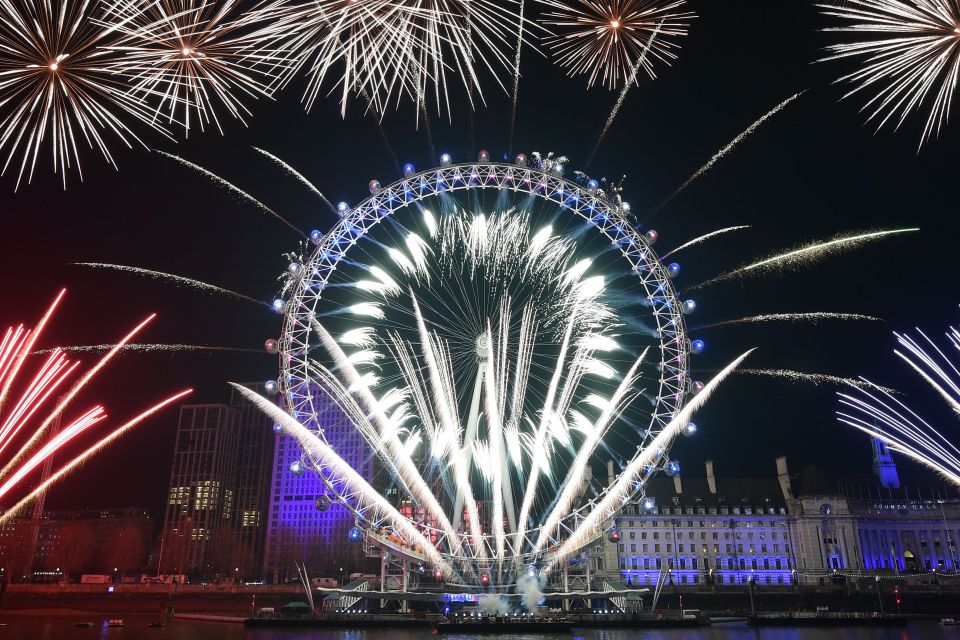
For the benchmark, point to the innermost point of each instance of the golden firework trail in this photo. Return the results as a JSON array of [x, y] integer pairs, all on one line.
[[162, 275], [602, 40], [623, 93], [229, 186], [815, 378], [813, 317], [296, 174], [700, 239], [806, 254], [728, 148]]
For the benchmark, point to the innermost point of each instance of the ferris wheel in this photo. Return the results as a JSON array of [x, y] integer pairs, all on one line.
[[506, 343]]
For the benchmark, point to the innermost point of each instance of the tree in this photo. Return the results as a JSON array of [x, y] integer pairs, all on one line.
[[175, 548], [74, 547], [16, 549], [123, 551]]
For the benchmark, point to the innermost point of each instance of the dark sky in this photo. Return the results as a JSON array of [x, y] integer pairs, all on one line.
[[809, 173]]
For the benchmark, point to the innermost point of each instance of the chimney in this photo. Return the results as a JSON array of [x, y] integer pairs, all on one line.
[[711, 479], [610, 475], [783, 476], [677, 485]]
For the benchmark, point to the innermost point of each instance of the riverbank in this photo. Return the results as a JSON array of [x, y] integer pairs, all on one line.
[[241, 602]]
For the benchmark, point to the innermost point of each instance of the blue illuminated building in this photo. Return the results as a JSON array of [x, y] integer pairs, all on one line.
[[805, 528], [297, 530], [696, 531]]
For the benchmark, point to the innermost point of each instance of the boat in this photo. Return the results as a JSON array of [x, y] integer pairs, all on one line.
[[84, 625], [115, 622], [949, 622]]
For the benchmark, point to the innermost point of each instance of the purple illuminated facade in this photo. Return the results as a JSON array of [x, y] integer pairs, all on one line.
[[699, 531], [297, 531]]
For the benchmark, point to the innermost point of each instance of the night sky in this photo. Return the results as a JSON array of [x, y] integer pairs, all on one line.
[[811, 172]]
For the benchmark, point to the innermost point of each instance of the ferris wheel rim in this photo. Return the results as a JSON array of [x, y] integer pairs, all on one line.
[[306, 287]]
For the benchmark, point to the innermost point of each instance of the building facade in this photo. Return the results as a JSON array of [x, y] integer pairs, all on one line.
[[704, 532], [202, 495], [303, 525], [116, 541], [780, 531]]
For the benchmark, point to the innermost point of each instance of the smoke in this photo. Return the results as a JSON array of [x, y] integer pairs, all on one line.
[[530, 593], [494, 605]]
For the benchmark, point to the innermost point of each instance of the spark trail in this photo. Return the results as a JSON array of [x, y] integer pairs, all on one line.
[[702, 238], [229, 186], [319, 449], [719, 155], [814, 378], [162, 275], [516, 76], [902, 429], [641, 60], [144, 348], [25, 440], [296, 174], [806, 254], [87, 454], [814, 317], [624, 483]]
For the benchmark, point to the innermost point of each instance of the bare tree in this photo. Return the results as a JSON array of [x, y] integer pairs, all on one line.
[[16, 549], [74, 547], [124, 551]]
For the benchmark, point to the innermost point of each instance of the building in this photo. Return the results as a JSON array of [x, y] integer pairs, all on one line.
[[701, 531], [215, 521], [297, 530], [254, 459], [202, 495], [113, 541], [782, 530]]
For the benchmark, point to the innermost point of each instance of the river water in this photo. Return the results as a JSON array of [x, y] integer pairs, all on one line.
[[62, 628]]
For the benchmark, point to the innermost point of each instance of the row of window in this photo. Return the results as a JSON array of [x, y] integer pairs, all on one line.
[[696, 563]]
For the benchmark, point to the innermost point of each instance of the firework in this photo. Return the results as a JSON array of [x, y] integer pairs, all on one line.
[[623, 92], [813, 317], [58, 87], [886, 418], [814, 378], [162, 275], [807, 254], [88, 453], [229, 186], [387, 50], [728, 148], [910, 55], [625, 482], [702, 238], [144, 348], [478, 355], [192, 57], [27, 432], [604, 41], [296, 174]]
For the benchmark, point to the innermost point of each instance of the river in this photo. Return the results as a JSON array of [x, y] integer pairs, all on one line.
[[62, 628]]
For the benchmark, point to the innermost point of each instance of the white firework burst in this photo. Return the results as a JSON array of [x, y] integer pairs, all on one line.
[[387, 50], [910, 54], [190, 57], [58, 87], [606, 40]]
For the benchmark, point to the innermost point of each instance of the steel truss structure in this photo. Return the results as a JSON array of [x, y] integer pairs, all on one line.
[[605, 212]]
